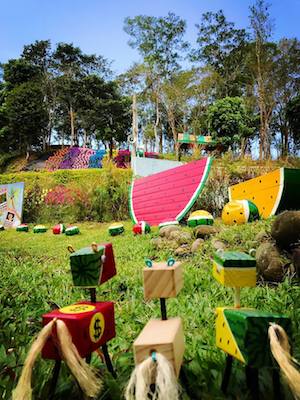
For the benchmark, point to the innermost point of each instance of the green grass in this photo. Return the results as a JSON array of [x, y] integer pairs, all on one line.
[[35, 272]]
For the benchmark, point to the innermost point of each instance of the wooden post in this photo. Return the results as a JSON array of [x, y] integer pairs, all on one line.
[[134, 125], [237, 297]]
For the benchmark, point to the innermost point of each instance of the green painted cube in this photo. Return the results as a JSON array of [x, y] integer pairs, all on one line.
[[250, 331], [86, 266]]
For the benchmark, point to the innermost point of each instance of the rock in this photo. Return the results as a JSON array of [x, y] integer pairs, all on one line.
[[218, 244], [286, 229], [262, 236], [157, 242], [180, 237], [204, 231], [270, 264], [196, 245], [165, 231], [160, 243], [183, 250]]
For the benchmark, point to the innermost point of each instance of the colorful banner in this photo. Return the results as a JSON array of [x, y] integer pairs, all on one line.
[[11, 204]]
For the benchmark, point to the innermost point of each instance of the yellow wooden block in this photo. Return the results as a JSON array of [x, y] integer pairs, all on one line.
[[224, 337], [164, 337], [162, 281], [235, 276]]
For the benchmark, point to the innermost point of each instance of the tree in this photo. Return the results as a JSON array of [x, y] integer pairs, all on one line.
[[160, 42], [229, 121], [72, 65], [39, 55], [287, 84], [293, 118], [222, 47], [26, 116], [263, 69]]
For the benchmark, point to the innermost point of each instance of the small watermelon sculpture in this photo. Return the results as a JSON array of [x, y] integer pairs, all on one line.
[[200, 217], [86, 266], [72, 230], [58, 229], [239, 212], [116, 229], [22, 228], [141, 228], [39, 229], [167, 223]]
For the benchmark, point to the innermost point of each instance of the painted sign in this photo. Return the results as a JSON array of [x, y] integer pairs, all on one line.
[[11, 204]]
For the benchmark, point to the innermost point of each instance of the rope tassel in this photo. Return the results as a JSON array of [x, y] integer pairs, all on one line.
[[281, 351], [82, 372], [155, 370]]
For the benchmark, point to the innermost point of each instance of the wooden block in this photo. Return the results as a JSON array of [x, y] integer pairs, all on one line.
[[234, 269], [164, 337], [243, 333], [161, 281]]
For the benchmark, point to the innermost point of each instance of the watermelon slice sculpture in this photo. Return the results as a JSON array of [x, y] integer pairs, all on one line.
[[271, 193], [168, 195]]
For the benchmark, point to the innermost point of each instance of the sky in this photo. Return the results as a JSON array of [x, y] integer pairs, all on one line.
[[96, 26]]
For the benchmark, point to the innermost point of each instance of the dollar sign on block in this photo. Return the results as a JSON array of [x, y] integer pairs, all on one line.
[[91, 325]]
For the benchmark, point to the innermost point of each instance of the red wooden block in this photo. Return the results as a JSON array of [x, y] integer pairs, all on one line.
[[109, 265], [90, 324]]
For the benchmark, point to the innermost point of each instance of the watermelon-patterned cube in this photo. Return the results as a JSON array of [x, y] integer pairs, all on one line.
[[39, 229], [243, 333], [90, 324], [72, 230], [22, 228], [90, 268], [234, 269]]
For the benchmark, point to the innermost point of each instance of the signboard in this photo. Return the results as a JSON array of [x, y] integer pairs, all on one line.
[[11, 204]]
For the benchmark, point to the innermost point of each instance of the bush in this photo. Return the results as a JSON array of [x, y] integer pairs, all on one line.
[[74, 195]]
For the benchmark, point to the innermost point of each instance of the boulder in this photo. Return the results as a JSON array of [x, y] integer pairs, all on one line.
[[165, 231], [262, 236], [286, 229], [218, 244], [270, 263], [204, 231], [180, 237], [196, 245], [182, 250]]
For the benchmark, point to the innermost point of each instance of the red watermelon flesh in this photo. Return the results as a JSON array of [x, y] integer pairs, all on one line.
[[168, 195]]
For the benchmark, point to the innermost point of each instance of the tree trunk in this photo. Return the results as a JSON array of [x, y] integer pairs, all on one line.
[[111, 145], [171, 118], [72, 126], [134, 125], [264, 146], [156, 126], [84, 137]]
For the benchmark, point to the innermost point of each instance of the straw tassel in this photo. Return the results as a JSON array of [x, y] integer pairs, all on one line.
[[281, 351], [158, 371], [82, 372]]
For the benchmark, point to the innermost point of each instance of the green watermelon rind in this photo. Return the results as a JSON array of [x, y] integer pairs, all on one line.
[[253, 327], [86, 273]]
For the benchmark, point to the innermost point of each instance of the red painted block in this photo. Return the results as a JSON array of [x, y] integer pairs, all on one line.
[[90, 324], [109, 265]]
